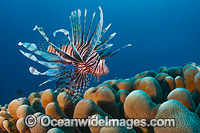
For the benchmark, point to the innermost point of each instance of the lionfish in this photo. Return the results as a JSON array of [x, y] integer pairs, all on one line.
[[72, 63]]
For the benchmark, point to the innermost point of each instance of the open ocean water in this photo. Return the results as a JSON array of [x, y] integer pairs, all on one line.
[[163, 33]]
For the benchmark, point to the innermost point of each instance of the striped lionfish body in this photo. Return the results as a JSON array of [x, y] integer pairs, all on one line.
[[72, 63]]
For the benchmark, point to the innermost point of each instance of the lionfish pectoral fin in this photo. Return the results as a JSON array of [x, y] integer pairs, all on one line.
[[49, 72], [33, 48], [51, 65], [49, 80], [61, 52]]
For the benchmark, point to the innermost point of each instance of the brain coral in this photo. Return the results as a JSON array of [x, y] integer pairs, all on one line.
[[184, 96], [189, 75], [151, 86], [185, 121], [139, 105]]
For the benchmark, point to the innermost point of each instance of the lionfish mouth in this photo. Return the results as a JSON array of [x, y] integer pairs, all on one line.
[[71, 63]]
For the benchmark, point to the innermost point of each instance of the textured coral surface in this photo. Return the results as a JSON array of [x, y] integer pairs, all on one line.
[[168, 93]]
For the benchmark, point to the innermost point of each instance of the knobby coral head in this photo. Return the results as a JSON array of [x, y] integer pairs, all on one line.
[[71, 63]]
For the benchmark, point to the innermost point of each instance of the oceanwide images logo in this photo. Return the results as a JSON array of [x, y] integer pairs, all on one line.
[[95, 121], [30, 121]]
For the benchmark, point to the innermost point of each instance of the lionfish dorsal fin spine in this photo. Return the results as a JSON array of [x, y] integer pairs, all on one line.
[[76, 25], [89, 41], [83, 34], [115, 52], [105, 50], [95, 37], [128, 45], [106, 40], [104, 31], [79, 26], [88, 33], [76, 53], [72, 27]]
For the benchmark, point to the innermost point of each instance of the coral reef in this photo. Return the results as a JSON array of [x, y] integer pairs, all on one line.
[[169, 93]]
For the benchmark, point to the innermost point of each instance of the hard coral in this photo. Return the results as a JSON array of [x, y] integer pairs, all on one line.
[[185, 121]]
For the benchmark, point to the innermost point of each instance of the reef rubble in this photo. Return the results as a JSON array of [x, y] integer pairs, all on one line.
[[169, 93]]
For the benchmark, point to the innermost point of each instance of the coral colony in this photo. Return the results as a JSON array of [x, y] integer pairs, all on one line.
[[169, 96]]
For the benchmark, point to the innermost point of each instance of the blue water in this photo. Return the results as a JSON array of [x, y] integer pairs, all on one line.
[[163, 32]]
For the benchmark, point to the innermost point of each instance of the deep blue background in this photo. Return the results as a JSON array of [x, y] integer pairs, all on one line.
[[163, 32]]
